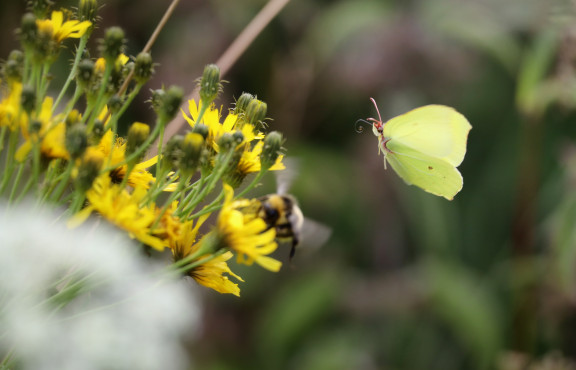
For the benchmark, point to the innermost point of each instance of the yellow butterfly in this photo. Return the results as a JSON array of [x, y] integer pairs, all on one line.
[[424, 147]]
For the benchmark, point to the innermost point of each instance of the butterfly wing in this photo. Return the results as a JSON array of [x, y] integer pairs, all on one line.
[[434, 175], [433, 130]]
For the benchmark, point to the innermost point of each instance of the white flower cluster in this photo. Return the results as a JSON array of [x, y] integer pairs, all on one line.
[[124, 315]]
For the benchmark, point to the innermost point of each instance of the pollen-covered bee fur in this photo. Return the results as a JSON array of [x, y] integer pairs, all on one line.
[[281, 211]]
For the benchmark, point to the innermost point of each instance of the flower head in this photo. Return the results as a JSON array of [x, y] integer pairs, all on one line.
[[11, 113], [216, 129], [139, 176], [122, 209], [248, 236], [51, 134], [60, 29], [212, 273]]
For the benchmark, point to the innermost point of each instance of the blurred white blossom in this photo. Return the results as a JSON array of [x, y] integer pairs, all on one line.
[[126, 315]]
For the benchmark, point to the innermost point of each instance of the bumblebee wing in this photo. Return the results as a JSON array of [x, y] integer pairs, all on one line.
[[313, 235], [285, 178]]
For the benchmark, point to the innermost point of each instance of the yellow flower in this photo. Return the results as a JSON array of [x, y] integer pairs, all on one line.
[[216, 129], [169, 227], [11, 113], [139, 177], [247, 161], [212, 273], [183, 244], [61, 30], [249, 237], [51, 135], [250, 160], [100, 64], [122, 209]]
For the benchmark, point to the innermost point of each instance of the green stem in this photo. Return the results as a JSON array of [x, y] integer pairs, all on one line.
[[160, 154], [171, 198], [216, 175], [79, 52], [185, 263], [254, 182], [5, 363], [100, 99], [115, 117], [16, 182], [50, 181], [26, 73], [69, 292], [153, 192], [33, 179], [9, 166], [193, 190], [43, 84], [25, 190], [2, 134], [72, 102], [214, 206], [183, 270], [62, 183], [203, 108], [77, 202]]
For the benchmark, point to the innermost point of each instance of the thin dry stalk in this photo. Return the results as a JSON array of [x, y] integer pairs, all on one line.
[[231, 55]]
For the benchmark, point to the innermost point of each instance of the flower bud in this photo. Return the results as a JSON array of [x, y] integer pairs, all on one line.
[[172, 153], [233, 175], [28, 30], [210, 84], [97, 132], [242, 103], [114, 104], [113, 44], [143, 68], [271, 150], [192, 153], [17, 56], [256, 113], [41, 7], [226, 142], [76, 140], [201, 129], [28, 98], [88, 10], [73, 118], [12, 69], [85, 72], [137, 135], [89, 169], [34, 126], [238, 137], [156, 99], [169, 103]]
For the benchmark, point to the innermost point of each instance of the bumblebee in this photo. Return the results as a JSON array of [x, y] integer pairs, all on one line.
[[281, 211]]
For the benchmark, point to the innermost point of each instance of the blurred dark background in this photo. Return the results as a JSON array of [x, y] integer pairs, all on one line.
[[407, 280]]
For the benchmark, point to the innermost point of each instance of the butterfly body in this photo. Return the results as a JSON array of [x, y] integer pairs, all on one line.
[[424, 146]]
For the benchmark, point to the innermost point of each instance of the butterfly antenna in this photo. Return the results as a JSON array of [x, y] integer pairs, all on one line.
[[359, 125], [376, 106]]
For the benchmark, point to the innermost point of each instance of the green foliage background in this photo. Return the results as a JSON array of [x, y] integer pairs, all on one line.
[[407, 280]]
